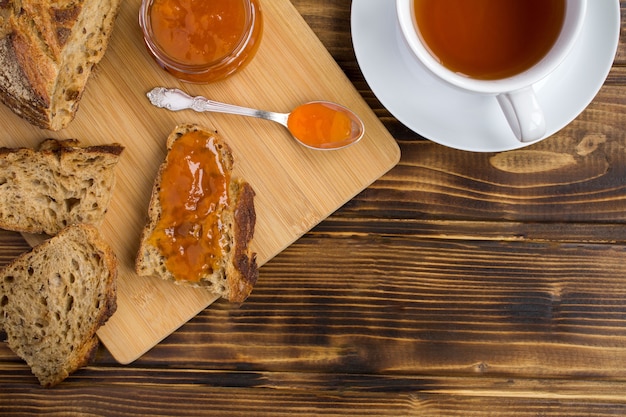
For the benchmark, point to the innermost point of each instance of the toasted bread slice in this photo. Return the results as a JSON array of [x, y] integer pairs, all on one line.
[[54, 298], [47, 52], [200, 219], [61, 183]]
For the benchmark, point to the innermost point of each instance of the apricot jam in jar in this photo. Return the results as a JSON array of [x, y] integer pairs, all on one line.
[[201, 41]]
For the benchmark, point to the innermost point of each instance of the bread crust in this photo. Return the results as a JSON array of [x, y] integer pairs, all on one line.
[[240, 272], [47, 52], [245, 271]]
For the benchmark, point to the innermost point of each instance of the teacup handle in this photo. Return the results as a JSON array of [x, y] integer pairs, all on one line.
[[524, 114]]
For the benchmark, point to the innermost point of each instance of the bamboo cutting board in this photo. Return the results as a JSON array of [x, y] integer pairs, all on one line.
[[296, 187]]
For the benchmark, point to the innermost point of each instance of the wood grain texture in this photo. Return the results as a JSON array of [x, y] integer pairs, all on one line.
[[457, 284]]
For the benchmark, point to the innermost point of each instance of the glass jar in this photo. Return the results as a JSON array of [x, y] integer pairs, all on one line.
[[201, 41]]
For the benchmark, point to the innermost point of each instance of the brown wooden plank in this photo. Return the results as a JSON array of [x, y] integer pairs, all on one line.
[[224, 394], [463, 230], [12, 244], [407, 305], [403, 305], [575, 176]]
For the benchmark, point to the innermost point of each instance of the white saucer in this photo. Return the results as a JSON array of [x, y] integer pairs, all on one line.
[[469, 122]]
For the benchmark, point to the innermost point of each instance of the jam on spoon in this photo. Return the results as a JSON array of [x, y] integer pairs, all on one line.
[[316, 125]]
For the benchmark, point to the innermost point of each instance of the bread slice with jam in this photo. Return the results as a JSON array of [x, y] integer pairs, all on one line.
[[201, 219]]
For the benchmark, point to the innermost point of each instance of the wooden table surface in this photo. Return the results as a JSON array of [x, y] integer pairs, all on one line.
[[458, 284]]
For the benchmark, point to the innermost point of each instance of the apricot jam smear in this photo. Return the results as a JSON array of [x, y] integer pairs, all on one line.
[[194, 186]]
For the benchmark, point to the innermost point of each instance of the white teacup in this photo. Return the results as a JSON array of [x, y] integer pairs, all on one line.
[[515, 94]]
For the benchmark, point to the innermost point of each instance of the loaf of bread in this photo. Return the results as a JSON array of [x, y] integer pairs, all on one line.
[[47, 51], [60, 183], [54, 298], [200, 219]]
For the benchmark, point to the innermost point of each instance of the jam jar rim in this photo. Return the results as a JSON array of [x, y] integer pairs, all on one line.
[[169, 62]]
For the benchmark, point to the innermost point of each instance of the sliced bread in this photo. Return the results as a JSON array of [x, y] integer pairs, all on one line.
[[200, 219], [48, 50], [54, 298], [60, 183]]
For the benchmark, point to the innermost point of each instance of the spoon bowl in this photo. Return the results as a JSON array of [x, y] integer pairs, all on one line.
[[321, 125]]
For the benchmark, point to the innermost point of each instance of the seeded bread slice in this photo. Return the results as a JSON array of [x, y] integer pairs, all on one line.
[[61, 183], [48, 49], [237, 271], [54, 298]]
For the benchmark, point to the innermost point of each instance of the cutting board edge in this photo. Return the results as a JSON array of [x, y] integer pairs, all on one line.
[[121, 356], [118, 354]]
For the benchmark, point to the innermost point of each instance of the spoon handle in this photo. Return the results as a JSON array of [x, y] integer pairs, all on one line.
[[175, 100]]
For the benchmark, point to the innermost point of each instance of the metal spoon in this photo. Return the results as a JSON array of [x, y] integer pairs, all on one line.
[[175, 100]]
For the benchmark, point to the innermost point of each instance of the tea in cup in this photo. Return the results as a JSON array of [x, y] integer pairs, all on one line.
[[495, 47]]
